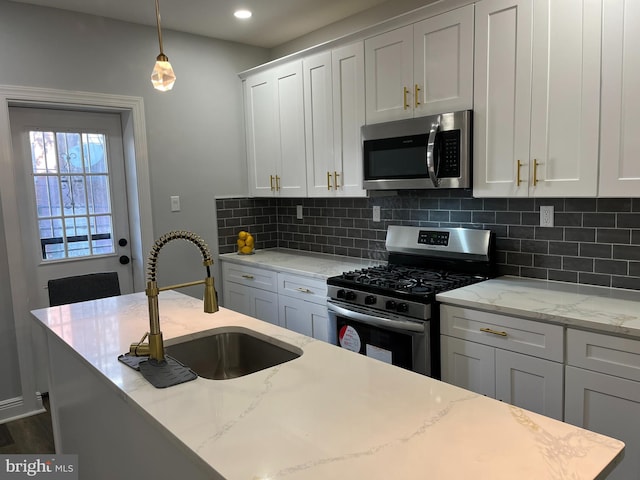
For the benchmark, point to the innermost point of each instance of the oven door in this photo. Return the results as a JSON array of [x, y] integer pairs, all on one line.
[[384, 336]]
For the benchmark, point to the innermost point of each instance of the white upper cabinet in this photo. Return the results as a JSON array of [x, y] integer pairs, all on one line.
[[620, 142], [421, 69], [274, 112], [536, 98], [334, 113], [443, 62]]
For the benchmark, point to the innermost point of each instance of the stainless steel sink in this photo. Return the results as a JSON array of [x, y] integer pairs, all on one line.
[[231, 354]]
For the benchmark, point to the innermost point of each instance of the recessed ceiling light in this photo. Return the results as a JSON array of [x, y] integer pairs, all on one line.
[[242, 14]]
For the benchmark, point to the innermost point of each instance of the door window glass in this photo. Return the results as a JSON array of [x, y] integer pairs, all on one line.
[[72, 192]]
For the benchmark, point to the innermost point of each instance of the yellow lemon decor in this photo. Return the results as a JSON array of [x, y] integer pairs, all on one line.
[[246, 243]]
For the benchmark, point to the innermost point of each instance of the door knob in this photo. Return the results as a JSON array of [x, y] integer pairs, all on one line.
[[122, 242], [124, 260]]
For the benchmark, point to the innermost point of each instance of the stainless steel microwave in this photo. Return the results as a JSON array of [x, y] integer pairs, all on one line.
[[424, 152]]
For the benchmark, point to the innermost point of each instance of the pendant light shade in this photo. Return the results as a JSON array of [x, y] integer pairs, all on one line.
[[162, 76]]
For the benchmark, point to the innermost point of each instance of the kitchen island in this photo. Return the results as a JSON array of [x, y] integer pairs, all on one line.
[[329, 414]]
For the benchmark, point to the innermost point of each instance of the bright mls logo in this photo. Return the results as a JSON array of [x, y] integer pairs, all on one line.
[[51, 467]]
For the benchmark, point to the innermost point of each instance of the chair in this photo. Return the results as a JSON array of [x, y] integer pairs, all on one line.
[[83, 287]]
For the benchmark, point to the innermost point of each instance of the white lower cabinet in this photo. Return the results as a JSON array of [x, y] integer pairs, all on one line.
[[602, 392], [251, 301], [295, 302], [511, 359]]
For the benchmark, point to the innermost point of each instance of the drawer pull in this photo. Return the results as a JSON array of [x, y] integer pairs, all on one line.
[[494, 332], [249, 277], [304, 290]]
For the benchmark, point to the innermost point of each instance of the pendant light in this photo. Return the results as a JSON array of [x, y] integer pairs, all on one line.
[[162, 76]]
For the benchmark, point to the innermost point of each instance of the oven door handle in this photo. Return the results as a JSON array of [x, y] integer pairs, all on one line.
[[405, 325]]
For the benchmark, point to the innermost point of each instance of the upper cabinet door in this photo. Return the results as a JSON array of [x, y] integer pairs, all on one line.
[[291, 175], [620, 124], [565, 98], [389, 74], [318, 112], [443, 63], [502, 98], [262, 133], [348, 118]]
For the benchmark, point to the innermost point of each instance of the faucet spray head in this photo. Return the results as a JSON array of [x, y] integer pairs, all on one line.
[[210, 299]]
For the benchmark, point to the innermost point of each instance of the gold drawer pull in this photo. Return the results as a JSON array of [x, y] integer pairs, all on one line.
[[417, 99], [337, 185], [271, 182], [535, 172], [518, 179], [405, 91], [248, 277], [304, 290], [328, 180], [494, 332]]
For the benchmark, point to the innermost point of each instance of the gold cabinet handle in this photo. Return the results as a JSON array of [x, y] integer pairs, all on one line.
[[277, 183], [535, 172], [271, 182], [328, 180], [304, 290], [405, 91], [248, 277], [336, 184], [518, 179], [493, 332], [417, 99]]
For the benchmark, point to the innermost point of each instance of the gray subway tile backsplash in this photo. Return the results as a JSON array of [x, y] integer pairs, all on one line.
[[594, 241]]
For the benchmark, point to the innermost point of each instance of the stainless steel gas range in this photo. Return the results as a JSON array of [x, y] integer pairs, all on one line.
[[389, 311]]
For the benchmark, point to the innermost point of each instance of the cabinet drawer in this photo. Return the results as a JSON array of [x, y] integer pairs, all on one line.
[[250, 276], [516, 334], [305, 288], [604, 353]]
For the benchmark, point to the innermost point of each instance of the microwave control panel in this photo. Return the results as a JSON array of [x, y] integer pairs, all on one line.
[[449, 154]]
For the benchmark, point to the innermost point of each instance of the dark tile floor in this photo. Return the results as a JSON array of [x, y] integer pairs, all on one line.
[[28, 435]]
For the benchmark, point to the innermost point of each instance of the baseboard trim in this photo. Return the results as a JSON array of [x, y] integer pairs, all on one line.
[[14, 408]]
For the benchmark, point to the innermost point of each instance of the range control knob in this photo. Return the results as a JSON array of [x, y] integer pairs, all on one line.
[[390, 305], [370, 300], [341, 293], [350, 295], [402, 307]]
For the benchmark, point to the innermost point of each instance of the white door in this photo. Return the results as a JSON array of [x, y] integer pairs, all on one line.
[[529, 382], [608, 405], [348, 117], [318, 104], [73, 205], [468, 365], [443, 62], [502, 98], [389, 74], [619, 139]]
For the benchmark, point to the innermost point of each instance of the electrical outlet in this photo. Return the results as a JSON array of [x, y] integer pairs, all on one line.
[[376, 213], [546, 216], [299, 212]]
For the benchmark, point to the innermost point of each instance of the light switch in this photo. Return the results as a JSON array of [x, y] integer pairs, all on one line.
[[175, 203], [299, 212]]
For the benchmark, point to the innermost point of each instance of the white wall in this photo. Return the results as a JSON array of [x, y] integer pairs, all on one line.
[[195, 132]]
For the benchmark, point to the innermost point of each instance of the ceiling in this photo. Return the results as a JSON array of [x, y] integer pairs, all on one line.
[[274, 22]]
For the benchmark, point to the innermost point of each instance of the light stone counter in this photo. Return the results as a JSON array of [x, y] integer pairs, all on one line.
[[329, 414], [310, 264], [602, 309]]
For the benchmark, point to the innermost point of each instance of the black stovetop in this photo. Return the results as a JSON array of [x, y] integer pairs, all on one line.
[[404, 281]]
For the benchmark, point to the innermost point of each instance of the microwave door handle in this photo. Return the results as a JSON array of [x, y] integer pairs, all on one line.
[[431, 142]]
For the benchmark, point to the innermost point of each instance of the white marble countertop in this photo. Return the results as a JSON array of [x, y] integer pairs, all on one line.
[[329, 414], [609, 310], [311, 264]]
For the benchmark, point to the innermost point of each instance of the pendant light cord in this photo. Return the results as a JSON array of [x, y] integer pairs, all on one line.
[[159, 29]]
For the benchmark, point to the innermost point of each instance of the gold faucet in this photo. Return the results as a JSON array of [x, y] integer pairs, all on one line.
[[155, 348]]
